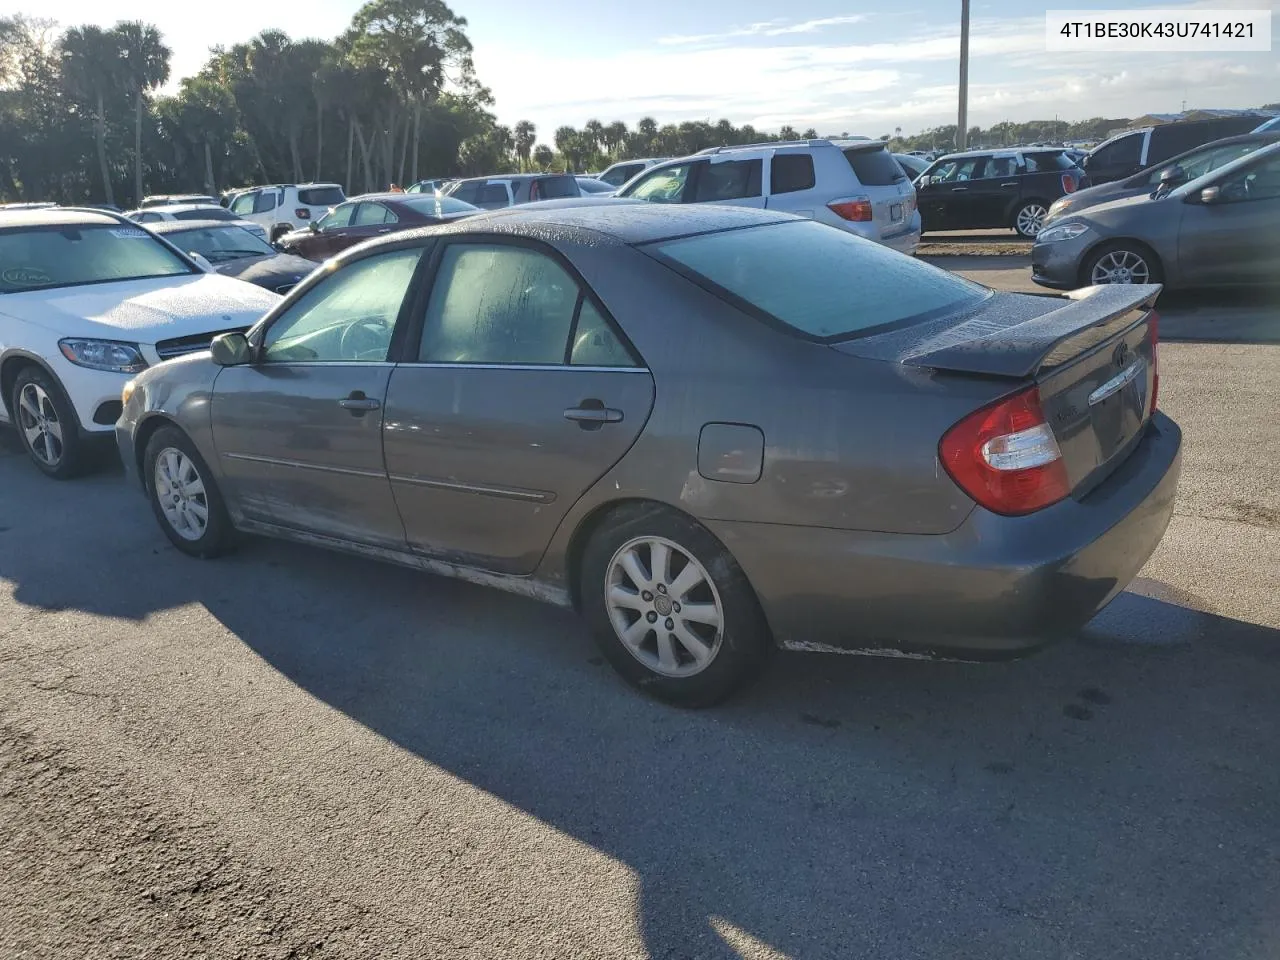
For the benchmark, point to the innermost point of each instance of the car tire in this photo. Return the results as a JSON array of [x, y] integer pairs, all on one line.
[[641, 619], [1120, 255], [1029, 218], [279, 230], [47, 424], [184, 495]]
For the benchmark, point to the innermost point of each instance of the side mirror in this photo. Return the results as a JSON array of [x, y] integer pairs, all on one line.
[[1171, 175], [1210, 195], [923, 180], [313, 226], [230, 350], [201, 262]]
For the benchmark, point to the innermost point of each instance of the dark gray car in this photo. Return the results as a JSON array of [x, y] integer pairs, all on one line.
[[507, 190], [1172, 173], [235, 252], [709, 429], [1219, 230]]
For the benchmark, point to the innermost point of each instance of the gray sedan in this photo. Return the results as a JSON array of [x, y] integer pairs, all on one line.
[[1219, 230], [712, 431]]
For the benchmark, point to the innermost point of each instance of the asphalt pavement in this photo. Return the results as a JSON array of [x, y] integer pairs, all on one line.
[[290, 753]]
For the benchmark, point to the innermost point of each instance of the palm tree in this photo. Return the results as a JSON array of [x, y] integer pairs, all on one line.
[[91, 70], [593, 134], [615, 136], [525, 135], [543, 156], [144, 64]]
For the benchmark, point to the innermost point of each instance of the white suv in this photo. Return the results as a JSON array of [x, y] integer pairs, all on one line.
[[284, 207], [856, 185]]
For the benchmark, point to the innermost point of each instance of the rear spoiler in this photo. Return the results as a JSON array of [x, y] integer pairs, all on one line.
[[991, 345]]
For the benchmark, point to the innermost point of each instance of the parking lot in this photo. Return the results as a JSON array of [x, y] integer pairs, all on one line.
[[287, 753]]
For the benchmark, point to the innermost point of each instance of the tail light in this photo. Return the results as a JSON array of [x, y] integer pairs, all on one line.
[[856, 209], [1068, 183], [1153, 327], [302, 213], [1006, 457]]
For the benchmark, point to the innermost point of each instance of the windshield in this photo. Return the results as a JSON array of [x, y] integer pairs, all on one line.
[[432, 206], [823, 283], [63, 256], [1206, 162], [220, 244]]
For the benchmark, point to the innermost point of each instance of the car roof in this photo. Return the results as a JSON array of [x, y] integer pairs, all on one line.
[[178, 226], [625, 222], [993, 151], [512, 177], [57, 217], [185, 207]]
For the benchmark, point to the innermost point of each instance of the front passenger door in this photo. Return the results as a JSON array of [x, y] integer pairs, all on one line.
[[299, 431], [1237, 239], [522, 394]]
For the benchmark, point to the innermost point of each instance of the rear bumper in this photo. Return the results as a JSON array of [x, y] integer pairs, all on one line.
[[994, 587]]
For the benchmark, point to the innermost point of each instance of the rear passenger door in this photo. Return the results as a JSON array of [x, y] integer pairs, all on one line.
[[737, 183], [518, 394], [992, 192]]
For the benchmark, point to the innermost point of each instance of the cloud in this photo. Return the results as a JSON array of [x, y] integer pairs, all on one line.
[[767, 28]]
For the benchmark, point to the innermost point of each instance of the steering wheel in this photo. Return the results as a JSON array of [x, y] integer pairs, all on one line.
[[363, 337]]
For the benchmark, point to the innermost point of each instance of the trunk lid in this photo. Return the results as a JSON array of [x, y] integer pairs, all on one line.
[[1092, 354]]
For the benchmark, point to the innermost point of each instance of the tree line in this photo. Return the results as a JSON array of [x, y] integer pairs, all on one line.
[[393, 99]]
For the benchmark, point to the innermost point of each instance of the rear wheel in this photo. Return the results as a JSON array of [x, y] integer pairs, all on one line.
[[184, 496], [1122, 262], [670, 608], [47, 423], [1029, 218]]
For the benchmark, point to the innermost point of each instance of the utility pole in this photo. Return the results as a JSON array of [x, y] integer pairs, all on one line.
[[962, 127]]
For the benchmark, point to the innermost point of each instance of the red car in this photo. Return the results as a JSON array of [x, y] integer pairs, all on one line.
[[371, 215]]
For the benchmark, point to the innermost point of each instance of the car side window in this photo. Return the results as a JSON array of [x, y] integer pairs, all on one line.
[[956, 171], [338, 218], [1123, 152], [346, 318], [493, 195], [264, 202], [791, 172], [728, 180], [1259, 182], [493, 303], [594, 342], [370, 214], [243, 204], [662, 186], [1004, 167]]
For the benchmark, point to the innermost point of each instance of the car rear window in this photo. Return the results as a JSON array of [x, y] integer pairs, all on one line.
[[321, 196], [205, 213], [822, 283], [875, 167], [556, 188], [432, 206]]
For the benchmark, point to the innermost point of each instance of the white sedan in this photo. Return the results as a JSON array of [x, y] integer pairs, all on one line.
[[87, 300]]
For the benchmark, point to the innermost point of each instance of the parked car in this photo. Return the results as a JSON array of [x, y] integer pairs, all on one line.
[[1221, 229], [87, 300], [31, 205], [428, 186], [594, 186], [193, 211], [168, 199], [493, 193], [1132, 151], [281, 208], [601, 443], [913, 164], [371, 216], [1271, 126], [983, 189], [619, 173], [855, 185], [233, 251], [1187, 166]]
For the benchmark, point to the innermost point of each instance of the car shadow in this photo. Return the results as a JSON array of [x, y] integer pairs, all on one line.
[[1114, 795]]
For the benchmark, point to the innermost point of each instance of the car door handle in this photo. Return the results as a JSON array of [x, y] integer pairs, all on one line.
[[358, 403], [1011, 183], [593, 414], [958, 189]]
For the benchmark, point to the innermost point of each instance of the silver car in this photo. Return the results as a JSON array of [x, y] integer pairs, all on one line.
[[855, 185]]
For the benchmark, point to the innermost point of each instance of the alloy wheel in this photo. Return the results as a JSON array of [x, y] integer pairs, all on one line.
[[1121, 266], [179, 489], [664, 607], [1030, 219], [38, 420]]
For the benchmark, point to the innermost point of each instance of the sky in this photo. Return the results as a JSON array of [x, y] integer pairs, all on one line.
[[867, 69]]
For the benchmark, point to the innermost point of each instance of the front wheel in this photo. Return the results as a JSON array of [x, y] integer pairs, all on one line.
[[1122, 262], [47, 423], [670, 608], [1029, 219], [184, 496]]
